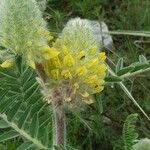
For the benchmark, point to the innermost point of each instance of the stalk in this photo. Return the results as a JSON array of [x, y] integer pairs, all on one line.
[[59, 124]]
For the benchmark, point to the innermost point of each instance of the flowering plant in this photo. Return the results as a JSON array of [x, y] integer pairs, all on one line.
[[69, 68]]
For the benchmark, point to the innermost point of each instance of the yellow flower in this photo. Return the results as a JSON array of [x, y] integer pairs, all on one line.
[[8, 63], [98, 88], [81, 55], [69, 60], [49, 53], [31, 63], [91, 79], [93, 63], [75, 59], [81, 71], [94, 49], [66, 74], [55, 73], [55, 62], [65, 50], [65, 64], [102, 56]]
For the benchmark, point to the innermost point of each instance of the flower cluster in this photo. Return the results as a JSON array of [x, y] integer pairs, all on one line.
[[75, 58], [22, 31]]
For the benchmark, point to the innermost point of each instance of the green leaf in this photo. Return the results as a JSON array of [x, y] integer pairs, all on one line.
[[98, 103], [5, 105], [140, 66], [24, 117], [34, 126], [129, 133], [70, 148], [142, 59], [13, 111], [21, 87], [3, 124], [58, 148], [3, 93], [113, 79], [8, 135], [119, 64], [125, 70], [46, 136], [19, 63], [25, 146]]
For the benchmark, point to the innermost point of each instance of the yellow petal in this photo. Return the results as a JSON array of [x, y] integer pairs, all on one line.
[[91, 79], [102, 56], [88, 101], [55, 73], [69, 60], [31, 64], [55, 62], [85, 94], [81, 55], [93, 63], [49, 53], [94, 49], [66, 74], [98, 88], [65, 50], [101, 70], [81, 71], [8, 63]]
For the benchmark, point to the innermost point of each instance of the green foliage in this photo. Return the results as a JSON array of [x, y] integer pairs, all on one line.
[[22, 109], [129, 133]]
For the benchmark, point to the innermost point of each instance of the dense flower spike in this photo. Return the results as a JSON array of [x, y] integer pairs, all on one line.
[[22, 31], [76, 59]]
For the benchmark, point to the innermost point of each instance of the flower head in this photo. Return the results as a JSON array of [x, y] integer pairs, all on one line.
[[77, 60], [24, 32]]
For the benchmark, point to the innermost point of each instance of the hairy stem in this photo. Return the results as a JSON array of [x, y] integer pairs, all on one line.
[[59, 125], [59, 119]]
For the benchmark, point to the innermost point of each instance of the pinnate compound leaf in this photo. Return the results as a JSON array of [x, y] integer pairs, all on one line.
[[25, 146], [119, 65], [8, 135], [3, 124]]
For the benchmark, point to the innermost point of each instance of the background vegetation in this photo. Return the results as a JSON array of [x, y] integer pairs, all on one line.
[[131, 15], [100, 125]]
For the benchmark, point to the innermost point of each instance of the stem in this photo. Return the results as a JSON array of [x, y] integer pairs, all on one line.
[[59, 119], [133, 33], [129, 94], [24, 133], [135, 73], [59, 124]]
